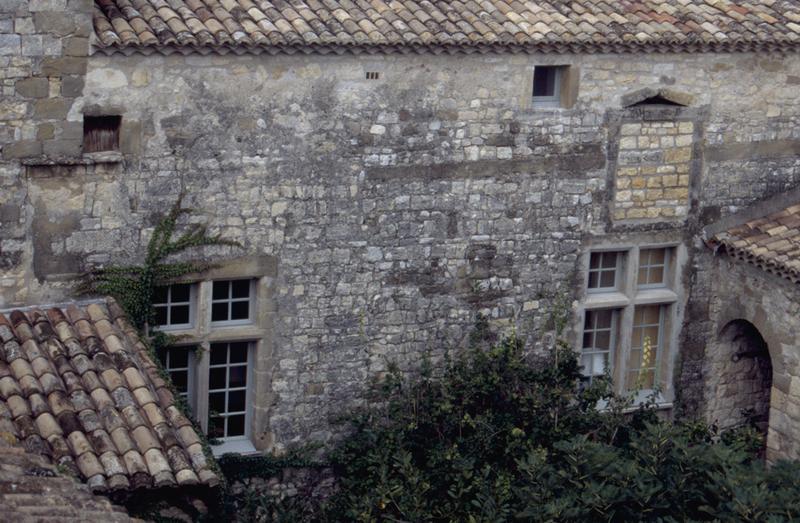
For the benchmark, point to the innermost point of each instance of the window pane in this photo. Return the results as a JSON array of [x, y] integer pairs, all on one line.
[[651, 336], [602, 340], [180, 292], [180, 379], [656, 275], [237, 376], [656, 256], [236, 401], [587, 340], [216, 402], [651, 314], [219, 311], [241, 289], [216, 378], [236, 425], [220, 291], [216, 427], [240, 310], [162, 356], [604, 319], [594, 281], [180, 315], [219, 353], [642, 278], [160, 295], [599, 363], [609, 260], [544, 81], [607, 279], [238, 352], [594, 261], [161, 315], [179, 358]]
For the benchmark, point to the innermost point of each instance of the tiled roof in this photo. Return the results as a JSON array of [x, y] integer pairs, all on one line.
[[32, 490], [447, 25], [78, 386], [771, 243]]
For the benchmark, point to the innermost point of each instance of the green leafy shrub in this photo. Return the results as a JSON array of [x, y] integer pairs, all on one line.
[[502, 436]]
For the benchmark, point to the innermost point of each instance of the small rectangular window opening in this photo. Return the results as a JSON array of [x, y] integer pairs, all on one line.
[[101, 133], [547, 85], [373, 75], [599, 341], [603, 269]]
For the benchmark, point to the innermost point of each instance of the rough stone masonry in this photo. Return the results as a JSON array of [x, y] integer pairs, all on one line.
[[391, 210]]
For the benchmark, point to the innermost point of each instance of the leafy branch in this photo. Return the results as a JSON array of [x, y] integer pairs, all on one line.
[[134, 286]]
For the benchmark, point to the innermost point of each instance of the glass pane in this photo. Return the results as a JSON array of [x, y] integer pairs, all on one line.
[[237, 376], [241, 288], [587, 340], [657, 256], [220, 290], [602, 340], [180, 379], [656, 275], [635, 360], [180, 292], [651, 336], [219, 311], [240, 310], [645, 379], [219, 353], [594, 281], [604, 319], [216, 378], [651, 314], [236, 401], [162, 356], [586, 363], [599, 363], [236, 425], [180, 315], [216, 402], [609, 260], [160, 295], [594, 261], [636, 338], [642, 279], [179, 358], [238, 352], [161, 315], [607, 279], [544, 81], [216, 427]]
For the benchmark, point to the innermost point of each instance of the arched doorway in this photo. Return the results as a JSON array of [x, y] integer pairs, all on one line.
[[745, 378]]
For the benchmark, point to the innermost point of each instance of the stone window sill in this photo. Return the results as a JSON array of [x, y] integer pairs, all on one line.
[[86, 159], [237, 446]]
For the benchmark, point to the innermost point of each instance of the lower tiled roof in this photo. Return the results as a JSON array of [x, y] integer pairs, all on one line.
[[771, 242], [451, 25], [78, 385], [32, 490]]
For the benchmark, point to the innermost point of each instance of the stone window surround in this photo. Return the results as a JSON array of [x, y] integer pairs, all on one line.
[[625, 299], [262, 270]]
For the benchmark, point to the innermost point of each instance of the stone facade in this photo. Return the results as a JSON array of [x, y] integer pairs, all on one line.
[[393, 210]]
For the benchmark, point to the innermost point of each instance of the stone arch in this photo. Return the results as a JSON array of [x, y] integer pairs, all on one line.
[[654, 96], [744, 380]]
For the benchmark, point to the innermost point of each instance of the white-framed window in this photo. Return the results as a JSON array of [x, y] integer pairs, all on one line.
[[599, 340], [547, 85], [179, 362], [604, 271], [653, 267], [212, 366], [229, 390], [174, 306], [232, 302], [642, 367], [628, 316]]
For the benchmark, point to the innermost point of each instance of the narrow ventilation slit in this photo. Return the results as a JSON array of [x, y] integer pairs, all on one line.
[[373, 75]]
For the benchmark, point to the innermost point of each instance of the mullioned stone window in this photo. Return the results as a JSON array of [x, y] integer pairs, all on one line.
[[628, 318]]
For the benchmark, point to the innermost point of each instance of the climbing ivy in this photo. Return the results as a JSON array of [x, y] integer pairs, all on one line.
[[134, 286]]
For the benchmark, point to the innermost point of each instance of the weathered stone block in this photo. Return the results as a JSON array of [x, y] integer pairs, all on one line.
[[9, 44], [63, 65], [33, 87], [72, 86], [52, 108], [62, 148], [76, 46], [23, 149]]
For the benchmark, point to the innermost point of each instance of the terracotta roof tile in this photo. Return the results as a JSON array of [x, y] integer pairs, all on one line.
[[771, 243], [455, 25], [78, 386]]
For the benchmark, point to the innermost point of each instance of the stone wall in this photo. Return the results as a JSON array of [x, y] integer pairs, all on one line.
[[397, 208], [717, 388], [44, 46]]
